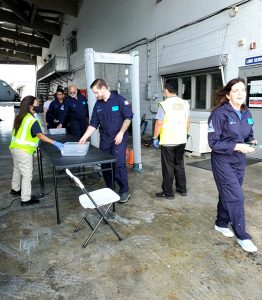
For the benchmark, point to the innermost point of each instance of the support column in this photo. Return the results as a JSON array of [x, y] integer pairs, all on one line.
[[135, 93]]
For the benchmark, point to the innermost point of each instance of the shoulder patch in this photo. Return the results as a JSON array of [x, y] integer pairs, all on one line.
[[211, 127]]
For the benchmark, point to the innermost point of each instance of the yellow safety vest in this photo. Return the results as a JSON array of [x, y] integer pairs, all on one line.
[[174, 129], [23, 139]]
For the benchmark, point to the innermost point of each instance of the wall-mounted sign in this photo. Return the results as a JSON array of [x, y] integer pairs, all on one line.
[[254, 92], [253, 60]]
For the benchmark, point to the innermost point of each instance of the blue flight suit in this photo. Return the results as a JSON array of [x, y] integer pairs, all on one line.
[[109, 117], [76, 111], [225, 130], [55, 114]]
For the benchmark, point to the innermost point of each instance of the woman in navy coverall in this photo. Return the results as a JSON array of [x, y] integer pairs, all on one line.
[[112, 114], [229, 131]]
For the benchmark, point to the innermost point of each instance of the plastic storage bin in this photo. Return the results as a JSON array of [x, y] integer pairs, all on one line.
[[75, 149], [53, 131]]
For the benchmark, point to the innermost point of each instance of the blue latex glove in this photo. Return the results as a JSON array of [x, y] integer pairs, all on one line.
[[156, 143], [58, 145]]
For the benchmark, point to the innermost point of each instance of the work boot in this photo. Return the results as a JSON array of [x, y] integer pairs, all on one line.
[[164, 195], [15, 193], [32, 201], [124, 197]]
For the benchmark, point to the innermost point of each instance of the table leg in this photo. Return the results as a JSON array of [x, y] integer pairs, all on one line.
[[56, 197], [112, 178], [40, 171]]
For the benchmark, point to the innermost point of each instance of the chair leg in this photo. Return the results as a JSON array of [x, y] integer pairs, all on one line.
[[99, 222], [82, 220], [107, 221]]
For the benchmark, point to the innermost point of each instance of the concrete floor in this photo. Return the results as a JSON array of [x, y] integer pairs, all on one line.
[[170, 248]]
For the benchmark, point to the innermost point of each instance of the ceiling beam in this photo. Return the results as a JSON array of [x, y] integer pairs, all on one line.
[[17, 8], [25, 38], [20, 48], [68, 7], [19, 56], [38, 25]]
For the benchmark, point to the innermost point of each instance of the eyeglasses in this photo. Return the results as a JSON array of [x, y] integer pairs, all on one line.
[[72, 93]]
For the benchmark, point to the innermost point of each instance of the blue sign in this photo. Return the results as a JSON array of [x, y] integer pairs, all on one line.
[[253, 60]]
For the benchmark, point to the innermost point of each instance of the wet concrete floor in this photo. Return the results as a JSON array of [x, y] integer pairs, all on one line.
[[170, 248]]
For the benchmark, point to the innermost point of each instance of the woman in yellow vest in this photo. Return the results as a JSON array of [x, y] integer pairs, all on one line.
[[25, 137]]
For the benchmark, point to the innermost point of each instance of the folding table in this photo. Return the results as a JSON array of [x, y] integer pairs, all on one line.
[[59, 163]]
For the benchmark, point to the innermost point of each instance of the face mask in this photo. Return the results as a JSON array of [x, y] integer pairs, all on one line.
[[37, 109]]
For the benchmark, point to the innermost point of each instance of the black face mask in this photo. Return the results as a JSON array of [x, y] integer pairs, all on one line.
[[37, 109]]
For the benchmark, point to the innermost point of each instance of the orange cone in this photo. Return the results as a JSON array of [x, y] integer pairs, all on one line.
[[131, 157], [127, 155]]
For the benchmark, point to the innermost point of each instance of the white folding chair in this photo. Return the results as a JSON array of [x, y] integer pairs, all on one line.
[[95, 200]]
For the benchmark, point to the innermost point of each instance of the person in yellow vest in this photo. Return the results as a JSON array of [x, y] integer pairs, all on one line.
[[25, 137], [172, 124]]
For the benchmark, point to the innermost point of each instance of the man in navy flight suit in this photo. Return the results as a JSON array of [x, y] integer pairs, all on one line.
[[76, 110], [229, 131], [112, 114], [56, 111]]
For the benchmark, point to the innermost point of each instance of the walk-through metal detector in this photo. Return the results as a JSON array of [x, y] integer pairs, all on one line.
[[132, 59]]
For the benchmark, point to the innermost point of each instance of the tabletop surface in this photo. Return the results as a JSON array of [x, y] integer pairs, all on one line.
[[94, 155]]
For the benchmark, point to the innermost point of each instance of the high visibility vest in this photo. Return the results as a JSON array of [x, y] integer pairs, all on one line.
[[174, 128], [23, 139]]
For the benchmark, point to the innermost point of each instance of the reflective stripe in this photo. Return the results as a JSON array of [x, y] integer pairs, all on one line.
[[23, 142], [27, 122]]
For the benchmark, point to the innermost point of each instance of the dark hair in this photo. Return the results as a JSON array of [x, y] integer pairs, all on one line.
[[60, 90], [171, 86], [23, 110], [99, 83], [221, 96]]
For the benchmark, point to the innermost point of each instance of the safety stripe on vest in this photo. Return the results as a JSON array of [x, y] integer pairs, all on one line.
[[23, 142], [23, 135]]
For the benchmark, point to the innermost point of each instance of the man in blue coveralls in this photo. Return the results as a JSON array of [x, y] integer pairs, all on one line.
[[76, 110], [112, 114], [56, 111]]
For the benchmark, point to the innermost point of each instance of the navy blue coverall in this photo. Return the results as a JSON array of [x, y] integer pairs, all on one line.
[[76, 111], [225, 130], [109, 117], [55, 114]]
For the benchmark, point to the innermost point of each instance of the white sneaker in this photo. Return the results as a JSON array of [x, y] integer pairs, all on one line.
[[247, 245], [226, 231]]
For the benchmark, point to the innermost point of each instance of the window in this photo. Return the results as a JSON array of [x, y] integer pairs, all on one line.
[[200, 102], [216, 84], [199, 87], [72, 42], [186, 88]]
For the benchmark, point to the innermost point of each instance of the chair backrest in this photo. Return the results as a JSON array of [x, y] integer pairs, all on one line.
[[76, 180]]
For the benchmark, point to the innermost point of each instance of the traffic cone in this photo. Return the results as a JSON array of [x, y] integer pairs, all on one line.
[[131, 157], [127, 155]]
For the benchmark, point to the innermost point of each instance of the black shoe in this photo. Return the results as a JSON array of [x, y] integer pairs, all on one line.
[[32, 201], [124, 197], [163, 195], [15, 193], [182, 193]]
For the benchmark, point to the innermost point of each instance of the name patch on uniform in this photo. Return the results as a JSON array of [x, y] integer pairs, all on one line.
[[211, 127], [250, 121], [126, 102], [115, 108], [231, 121]]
